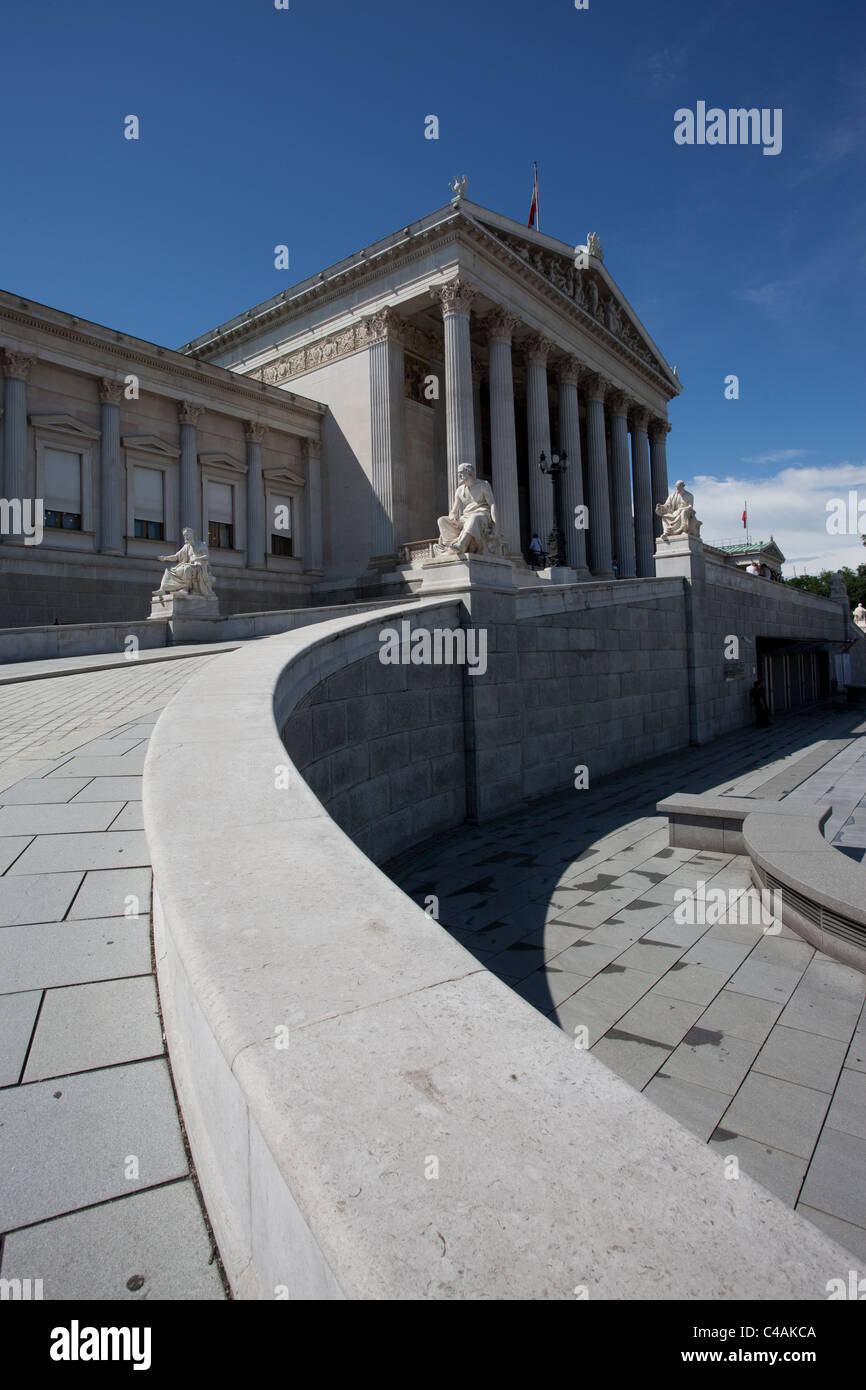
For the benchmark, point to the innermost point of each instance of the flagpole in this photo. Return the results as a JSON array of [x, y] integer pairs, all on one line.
[[537, 200]]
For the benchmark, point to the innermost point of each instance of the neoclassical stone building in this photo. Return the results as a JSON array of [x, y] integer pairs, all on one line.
[[465, 336], [346, 404], [125, 443]]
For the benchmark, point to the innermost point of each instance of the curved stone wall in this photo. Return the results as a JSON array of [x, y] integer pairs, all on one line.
[[371, 1114]]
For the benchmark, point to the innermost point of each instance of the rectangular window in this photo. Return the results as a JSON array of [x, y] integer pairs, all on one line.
[[61, 485], [149, 504], [220, 513], [281, 519]]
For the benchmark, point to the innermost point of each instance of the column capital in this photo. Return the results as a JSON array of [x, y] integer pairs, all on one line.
[[385, 325], [311, 448], [658, 429], [454, 296], [568, 370], [501, 325], [538, 349], [618, 402], [16, 364], [639, 419], [110, 392], [189, 414], [254, 432], [595, 387]]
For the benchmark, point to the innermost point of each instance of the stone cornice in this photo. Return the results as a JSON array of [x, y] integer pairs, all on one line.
[[162, 360], [492, 244]]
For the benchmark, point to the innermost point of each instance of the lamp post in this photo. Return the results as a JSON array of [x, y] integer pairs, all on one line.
[[555, 470]]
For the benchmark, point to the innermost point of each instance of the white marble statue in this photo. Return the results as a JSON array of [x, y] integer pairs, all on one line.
[[678, 513], [860, 616], [470, 526], [188, 572]]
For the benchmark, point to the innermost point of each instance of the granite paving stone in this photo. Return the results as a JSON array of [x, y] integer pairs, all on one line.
[[108, 850], [834, 1182], [780, 1172], [154, 1240], [85, 1026], [36, 897], [805, 1058], [699, 1108], [847, 1112], [17, 1017], [92, 1123], [106, 893], [70, 953], [778, 1113]]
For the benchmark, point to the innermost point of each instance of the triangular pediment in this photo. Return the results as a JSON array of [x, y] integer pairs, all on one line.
[[578, 273], [64, 424], [150, 444]]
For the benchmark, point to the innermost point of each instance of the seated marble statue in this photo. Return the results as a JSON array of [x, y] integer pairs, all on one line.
[[470, 526], [678, 513], [189, 571]]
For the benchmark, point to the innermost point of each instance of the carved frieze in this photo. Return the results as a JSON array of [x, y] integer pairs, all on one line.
[[585, 289]]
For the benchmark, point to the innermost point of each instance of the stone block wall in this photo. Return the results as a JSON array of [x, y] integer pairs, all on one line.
[[382, 748]]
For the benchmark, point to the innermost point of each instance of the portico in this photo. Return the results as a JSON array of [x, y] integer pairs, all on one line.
[[469, 338]]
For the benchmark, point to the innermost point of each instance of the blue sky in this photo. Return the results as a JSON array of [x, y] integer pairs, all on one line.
[[306, 127]]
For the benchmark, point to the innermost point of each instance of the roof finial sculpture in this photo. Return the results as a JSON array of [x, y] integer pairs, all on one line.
[[593, 246], [459, 185]]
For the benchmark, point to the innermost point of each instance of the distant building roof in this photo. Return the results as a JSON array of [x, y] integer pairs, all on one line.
[[750, 548]]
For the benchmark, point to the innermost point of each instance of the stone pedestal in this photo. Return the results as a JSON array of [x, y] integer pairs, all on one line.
[[446, 576], [181, 605], [680, 557]]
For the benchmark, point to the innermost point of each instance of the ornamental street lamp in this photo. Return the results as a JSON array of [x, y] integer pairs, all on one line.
[[555, 469]]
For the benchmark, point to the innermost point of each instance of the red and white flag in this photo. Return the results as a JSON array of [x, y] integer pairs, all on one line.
[[533, 206]]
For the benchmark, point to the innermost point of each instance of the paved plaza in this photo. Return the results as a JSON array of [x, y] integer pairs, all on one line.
[[750, 1038], [97, 1197]]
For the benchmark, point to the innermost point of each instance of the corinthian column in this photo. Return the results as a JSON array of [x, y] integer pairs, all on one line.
[[455, 299], [659, 430], [189, 499], [538, 350], [110, 490], [643, 497], [568, 371], [16, 368], [254, 436], [387, 411], [313, 547], [623, 530], [601, 553], [503, 442]]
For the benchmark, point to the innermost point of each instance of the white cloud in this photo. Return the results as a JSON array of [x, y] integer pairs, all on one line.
[[792, 507]]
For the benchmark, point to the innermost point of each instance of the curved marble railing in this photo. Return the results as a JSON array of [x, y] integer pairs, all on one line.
[[821, 890], [372, 1114]]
